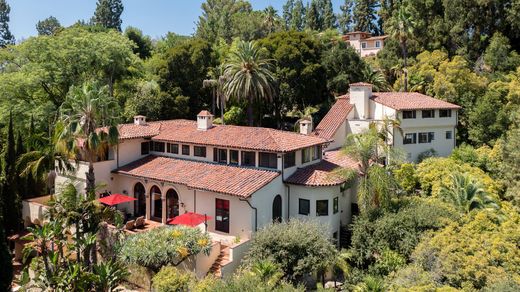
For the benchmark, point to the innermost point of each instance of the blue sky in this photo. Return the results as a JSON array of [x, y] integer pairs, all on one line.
[[154, 17]]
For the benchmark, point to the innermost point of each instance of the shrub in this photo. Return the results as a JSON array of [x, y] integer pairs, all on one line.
[[297, 247], [389, 261], [242, 281], [426, 154], [169, 279], [406, 177]]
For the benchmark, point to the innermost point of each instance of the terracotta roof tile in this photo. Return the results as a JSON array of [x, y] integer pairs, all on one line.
[[410, 101], [322, 173], [225, 179], [333, 119]]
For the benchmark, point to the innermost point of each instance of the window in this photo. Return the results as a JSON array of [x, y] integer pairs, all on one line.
[[445, 113], [289, 160], [335, 205], [199, 151], [220, 155], [304, 207], [306, 155], [408, 114], [158, 146], [426, 137], [410, 138], [322, 207], [233, 157], [222, 215], [248, 158], [316, 152], [268, 160], [378, 44], [185, 149], [448, 135], [145, 148], [363, 45], [172, 148], [426, 114]]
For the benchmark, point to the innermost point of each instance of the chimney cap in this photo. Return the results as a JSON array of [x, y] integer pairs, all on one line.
[[140, 120], [365, 84], [204, 113]]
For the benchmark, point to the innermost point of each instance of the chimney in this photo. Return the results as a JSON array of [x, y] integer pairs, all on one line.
[[305, 126], [360, 94], [140, 120], [204, 121]]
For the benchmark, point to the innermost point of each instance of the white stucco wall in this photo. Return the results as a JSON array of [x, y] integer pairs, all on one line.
[[263, 199], [442, 146]]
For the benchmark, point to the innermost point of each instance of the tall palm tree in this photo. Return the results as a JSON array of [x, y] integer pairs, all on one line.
[[376, 78], [88, 126], [250, 76], [401, 27], [216, 83], [271, 18], [306, 114], [466, 194]]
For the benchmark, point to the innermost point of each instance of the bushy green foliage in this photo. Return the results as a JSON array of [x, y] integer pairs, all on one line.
[[6, 264], [398, 231], [242, 281], [483, 249], [298, 247], [164, 246], [498, 54], [406, 177], [343, 66], [170, 279]]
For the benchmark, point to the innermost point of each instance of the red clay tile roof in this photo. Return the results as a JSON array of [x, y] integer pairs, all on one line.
[[322, 173], [333, 119], [410, 101], [150, 129], [225, 179], [380, 37]]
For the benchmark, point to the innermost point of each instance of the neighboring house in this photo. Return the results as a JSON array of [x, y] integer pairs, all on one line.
[[426, 123], [364, 43]]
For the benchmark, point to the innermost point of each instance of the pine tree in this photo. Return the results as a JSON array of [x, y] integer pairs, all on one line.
[[298, 16], [48, 26], [365, 16], [11, 199], [327, 15], [312, 16], [345, 18], [108, 14], [287, 13], [6, 38]]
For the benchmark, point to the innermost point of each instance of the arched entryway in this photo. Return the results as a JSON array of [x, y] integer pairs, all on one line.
[[156, 203], [172, 204], [277, 209], [140, 203]]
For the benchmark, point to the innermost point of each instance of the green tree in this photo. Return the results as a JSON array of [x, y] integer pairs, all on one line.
[[6, 38], [271, 19], [86, 110], [365, 16], [510, 162], [298, 16], [313, 20], [250, 76], [304, 250], [217, 82], [343, 66], [170, 279], [499, 56], [12, 204], [48, 26], [345, 18], [466, 194], [287, 13], [329, 18], [215, 21], [143, 44], [108, 14]]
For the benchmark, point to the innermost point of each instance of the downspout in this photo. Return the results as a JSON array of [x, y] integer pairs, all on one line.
[[194, 201], [254, 209], [288, 202]]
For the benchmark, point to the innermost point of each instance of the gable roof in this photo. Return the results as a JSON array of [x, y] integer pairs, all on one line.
[[410, 101], [322, 173], [334, 118], [224, 179]]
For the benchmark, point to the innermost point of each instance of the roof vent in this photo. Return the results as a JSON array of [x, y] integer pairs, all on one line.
[[140, 120], [204, 121], [305, 126]]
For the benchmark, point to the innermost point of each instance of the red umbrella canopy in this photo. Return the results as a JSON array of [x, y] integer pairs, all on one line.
[[189, 219], [116, 199]]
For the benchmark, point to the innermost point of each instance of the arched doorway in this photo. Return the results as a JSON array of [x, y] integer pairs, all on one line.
[[172, 204], [156, 203], [277, 209], [140, 203]]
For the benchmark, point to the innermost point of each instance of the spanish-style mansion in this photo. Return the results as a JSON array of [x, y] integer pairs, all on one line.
[[243, 178]]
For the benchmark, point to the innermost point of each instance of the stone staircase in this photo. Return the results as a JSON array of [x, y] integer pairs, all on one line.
[[222, 259]]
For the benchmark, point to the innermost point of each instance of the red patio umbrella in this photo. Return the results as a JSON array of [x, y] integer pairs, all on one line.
[[116, 199], [189, 219]]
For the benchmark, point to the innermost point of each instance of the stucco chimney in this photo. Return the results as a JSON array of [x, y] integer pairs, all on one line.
[[305, 126], [360, 94], [204, 121], [139, 120]]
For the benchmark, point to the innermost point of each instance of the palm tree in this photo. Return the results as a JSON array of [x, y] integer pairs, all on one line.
[[88, 126], [401, 27], [268, 271], [271, 19], [467, 194], [306, 114], [216, 83], [376, 78], [249, 76]]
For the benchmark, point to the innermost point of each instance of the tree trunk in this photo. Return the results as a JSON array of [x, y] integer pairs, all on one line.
[[405, 62], [222, 109], [250, 112], [91, 180], [213, 97]]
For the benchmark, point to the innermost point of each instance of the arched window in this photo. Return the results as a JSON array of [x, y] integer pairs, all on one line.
[[277, 209], [172, 204], [140, 203], [156, 202]]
